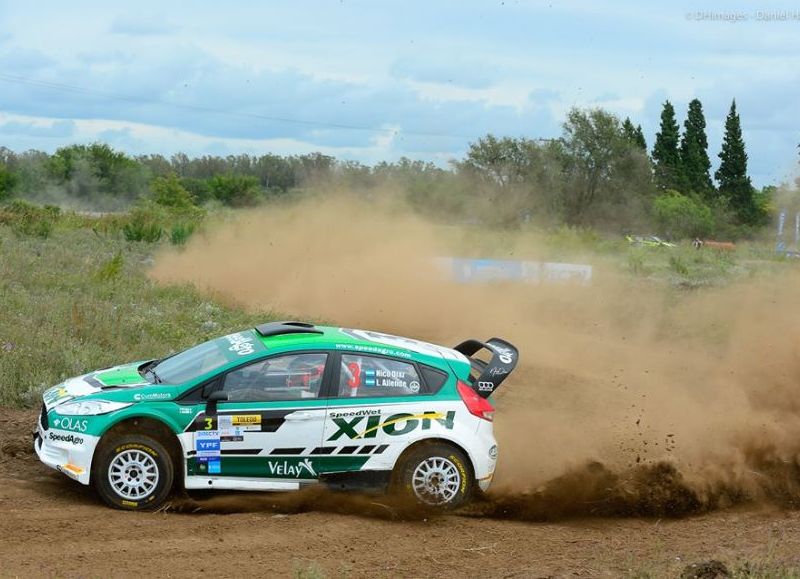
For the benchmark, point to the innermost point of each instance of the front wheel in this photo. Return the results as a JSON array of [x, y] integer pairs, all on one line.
[[133, 472], [436, 475]]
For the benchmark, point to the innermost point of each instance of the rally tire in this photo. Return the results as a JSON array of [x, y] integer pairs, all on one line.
[[435, 475], [133, 472]]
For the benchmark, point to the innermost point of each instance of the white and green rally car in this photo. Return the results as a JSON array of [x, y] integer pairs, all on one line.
[[279, 407]]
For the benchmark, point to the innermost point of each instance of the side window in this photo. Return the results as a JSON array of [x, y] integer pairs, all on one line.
[[434, 379], [291, 377], [366, 376]]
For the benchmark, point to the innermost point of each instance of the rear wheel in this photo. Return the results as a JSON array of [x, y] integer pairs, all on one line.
[[436, 475], [133, 472]]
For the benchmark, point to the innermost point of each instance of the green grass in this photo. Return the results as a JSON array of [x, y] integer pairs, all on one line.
[[76, 301]]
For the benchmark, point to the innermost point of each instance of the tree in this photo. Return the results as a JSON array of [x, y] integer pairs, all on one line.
[[235, 190], [634, 135], [640, 141], [734, 184], [666, 155], [604, 173], [8, 181], [169, 192], [694, 152], [679, 216]]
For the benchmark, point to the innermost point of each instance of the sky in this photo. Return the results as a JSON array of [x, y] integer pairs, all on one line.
[[372, 80]]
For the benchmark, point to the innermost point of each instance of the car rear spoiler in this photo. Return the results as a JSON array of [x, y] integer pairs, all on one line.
[[492, 373]]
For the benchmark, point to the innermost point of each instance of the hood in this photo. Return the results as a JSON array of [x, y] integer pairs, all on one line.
[[125, 376]]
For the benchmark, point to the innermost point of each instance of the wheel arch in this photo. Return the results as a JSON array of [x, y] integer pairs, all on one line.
[[434, 440], [149, 426]]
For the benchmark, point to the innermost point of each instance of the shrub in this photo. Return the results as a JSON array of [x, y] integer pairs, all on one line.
[[679, 216], [181, 232], [8, 181], [169, 192], [27, 219], [235, 190]]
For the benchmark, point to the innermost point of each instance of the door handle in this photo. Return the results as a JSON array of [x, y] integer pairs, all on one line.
[[300, 416]]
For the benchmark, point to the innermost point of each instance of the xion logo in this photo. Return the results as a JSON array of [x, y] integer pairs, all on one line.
[[292, 469], [394, 425]]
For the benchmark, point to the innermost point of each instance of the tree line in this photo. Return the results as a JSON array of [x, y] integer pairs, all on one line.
[[598, 174]]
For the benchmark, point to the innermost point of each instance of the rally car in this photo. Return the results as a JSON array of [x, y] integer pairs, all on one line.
[[279, 407]]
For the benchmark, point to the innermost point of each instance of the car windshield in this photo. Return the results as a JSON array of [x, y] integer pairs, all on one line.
[[203, 359]]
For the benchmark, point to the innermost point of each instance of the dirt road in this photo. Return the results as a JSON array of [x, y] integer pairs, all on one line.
[[51, 526]]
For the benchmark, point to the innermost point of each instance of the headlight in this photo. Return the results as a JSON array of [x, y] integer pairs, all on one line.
[[89, 407]]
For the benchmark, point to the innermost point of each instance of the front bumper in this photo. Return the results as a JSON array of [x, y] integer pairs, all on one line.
[[67, 452]]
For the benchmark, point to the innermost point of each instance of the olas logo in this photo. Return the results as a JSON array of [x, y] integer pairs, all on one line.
[[394, 425], [68, 423]]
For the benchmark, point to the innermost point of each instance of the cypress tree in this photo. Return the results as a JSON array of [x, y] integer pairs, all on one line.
[[634, 135], [666, 156], [694, 152], [734, 184], [628, 131], [640, 142]]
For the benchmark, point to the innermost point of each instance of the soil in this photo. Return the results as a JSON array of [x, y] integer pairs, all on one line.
[[52, 526]]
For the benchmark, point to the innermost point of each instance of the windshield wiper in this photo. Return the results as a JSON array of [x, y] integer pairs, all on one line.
[[150, 368], [155, 376]]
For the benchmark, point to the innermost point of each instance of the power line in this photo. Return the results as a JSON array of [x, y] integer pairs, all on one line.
[[198, 108]]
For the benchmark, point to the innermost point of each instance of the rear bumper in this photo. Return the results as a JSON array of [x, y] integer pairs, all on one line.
[[66, 452], [484, 455]]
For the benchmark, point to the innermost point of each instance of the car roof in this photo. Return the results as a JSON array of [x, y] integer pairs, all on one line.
[[304, 335]]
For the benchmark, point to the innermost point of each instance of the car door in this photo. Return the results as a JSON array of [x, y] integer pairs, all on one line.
[[270, 423], [378, 405]]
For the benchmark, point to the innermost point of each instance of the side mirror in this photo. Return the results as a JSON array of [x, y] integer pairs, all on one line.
[[213, 399]]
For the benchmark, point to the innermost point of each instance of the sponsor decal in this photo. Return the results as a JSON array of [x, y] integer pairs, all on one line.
[[485, 386], [207, 443], [505, 354], [364, 412], [373, 350], [186, 410], [394, 425], [413, 386], [214, 466], [71, 438], [241, 344], [70, 423], [245, 419], [129, 503], [291, 468], [152, 396], [493, 452], [496, 371], [55, 393], [244, 422]]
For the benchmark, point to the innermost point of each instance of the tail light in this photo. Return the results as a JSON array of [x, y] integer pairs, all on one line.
[[476, 405]]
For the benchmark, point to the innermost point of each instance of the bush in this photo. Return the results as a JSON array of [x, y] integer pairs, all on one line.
[[235, 190], [8, 181], [678, 216], [27, 219], [169, 192], [181, 233], [143, 226]]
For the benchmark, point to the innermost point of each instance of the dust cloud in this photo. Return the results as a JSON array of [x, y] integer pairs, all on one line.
[[629, 395]]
